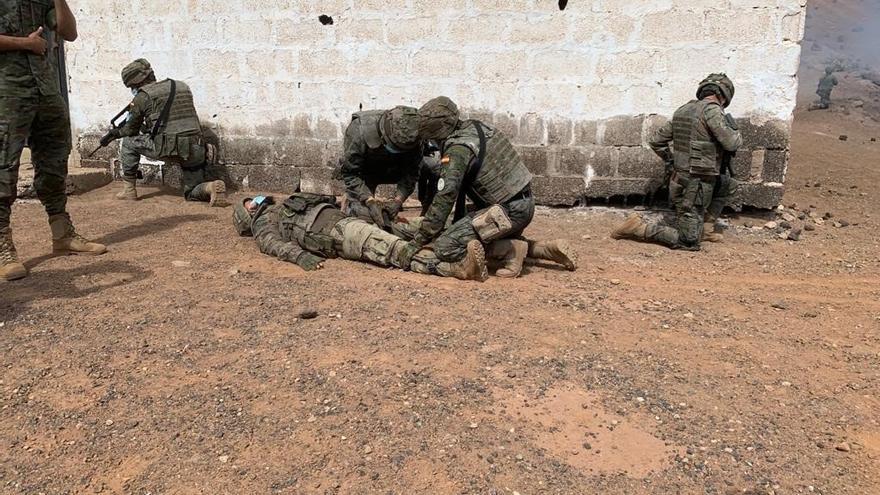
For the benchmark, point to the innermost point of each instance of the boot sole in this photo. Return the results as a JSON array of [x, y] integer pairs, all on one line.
[[67, 252], [566, 256], [522, 251], [477, 255], [218, 197], [9, 277]]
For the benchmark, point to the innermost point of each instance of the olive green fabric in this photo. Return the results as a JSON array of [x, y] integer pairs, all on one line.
[[193, 170], [438, 118], [826, 86], [368, 163], [136, 72], [22, 73], [503, 174], [700, 134], [722, 82], [451, 245], [44, 123]]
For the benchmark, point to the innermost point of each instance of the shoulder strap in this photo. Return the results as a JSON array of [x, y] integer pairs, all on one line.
[[166, 111]]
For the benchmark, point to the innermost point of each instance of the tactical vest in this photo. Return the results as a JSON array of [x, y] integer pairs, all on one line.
[[182, 119], [369, 125], [696, 151], [503, 174], [298, 222]]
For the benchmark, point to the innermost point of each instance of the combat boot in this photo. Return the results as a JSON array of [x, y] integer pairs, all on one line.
[[129, 191], [472, 267], [66, 241], [512, 253], [10, 267], [709, 234], [632, 228], [558, 251], [217, 190]]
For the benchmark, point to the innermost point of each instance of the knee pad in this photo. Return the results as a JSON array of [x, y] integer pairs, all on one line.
[[492, 224]]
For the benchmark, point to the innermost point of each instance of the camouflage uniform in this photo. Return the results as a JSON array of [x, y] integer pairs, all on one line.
[[503, 183], [380, 147], [32, 109], [179, 141], [307, 228], [826, 85], [700, 134]]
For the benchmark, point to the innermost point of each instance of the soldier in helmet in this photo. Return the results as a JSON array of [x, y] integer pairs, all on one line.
[[826, 85], [306, 229], [380, 147], [693, 145], [32, 109], [479, 162], [163, 125]]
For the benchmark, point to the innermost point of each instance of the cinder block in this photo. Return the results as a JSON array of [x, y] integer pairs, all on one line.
[[559, 132], [597, 161], [535, 158], [639, 162], [607, 188], [531, 130], [508, 124], [771, 135], [585, 133], [759, 196], [775, 165], [320, 180], [623, 131], [742, 165], [558, 191], [273, 178], [653, 123]]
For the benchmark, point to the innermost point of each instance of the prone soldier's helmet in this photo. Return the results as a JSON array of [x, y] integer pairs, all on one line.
[[438, 118], [720, 81], [135, 73], [400, 128], [241, 219]]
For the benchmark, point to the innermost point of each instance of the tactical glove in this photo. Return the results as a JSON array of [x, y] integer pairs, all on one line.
[[309, 262], [394, 208], [376, 212], [407, 254]]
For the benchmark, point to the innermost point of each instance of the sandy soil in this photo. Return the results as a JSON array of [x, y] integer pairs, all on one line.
[[178, 363]]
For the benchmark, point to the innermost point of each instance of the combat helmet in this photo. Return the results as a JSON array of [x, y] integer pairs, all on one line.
[[720, 81], [135, 73], [829, 70], [400, 127], [438, 118]]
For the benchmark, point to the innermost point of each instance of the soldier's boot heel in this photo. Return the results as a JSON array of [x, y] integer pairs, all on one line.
[[217, 189], [10, 267], [710, 235], [472, 267], [512, 254], [66, 241], [558, 251], [632, 228]]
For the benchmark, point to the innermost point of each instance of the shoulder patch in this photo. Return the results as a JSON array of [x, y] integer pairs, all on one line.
[[441, 185]]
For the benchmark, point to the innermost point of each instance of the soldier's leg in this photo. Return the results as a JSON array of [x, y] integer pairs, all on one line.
[[358, 240], [131, 149], [16, 116], [50, 143], [488, 225], [471, 267], [689, 223], [725, 189]]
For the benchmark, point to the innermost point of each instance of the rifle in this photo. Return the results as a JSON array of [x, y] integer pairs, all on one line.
[[727, 164], [114, 124]]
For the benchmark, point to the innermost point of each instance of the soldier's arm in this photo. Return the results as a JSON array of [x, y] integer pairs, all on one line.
[[729, 137], [136, 113], [33, 43], [355, 150], [407, 184], [65, 21], [267, 232], [451, 176], [660, 142]]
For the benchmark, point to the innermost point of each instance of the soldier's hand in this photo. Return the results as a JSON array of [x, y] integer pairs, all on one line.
[[309, 262], [394, 208], [107, 139], [376, 212], [35, 42]]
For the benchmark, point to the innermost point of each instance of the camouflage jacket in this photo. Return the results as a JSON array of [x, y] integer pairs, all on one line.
[[25, 74], [270, 237], [826, 84]]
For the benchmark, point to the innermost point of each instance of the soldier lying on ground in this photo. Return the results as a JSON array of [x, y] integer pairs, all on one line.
[[308, 228], [478, 162], [163, 125]]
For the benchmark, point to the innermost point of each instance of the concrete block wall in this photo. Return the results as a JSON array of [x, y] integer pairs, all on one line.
[[579, 91]]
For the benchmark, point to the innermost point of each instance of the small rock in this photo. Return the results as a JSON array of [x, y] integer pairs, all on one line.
[[223, 458], [842, 447], [234, 271], [785, 225], [873, 140], [779, 305], [784, 235], [786, 384], [843, 223], [474, 426], [615, 281], [795, 235], [368, 450], [771, 225], [809, 227], [307, 314], [109, 422], [828, 215], [587, 446], [180, 264], [788, 217], [843, 137]]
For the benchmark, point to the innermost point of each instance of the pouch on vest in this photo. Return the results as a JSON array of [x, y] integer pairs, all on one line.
[[301, 202], [492, 224], [703, 158]]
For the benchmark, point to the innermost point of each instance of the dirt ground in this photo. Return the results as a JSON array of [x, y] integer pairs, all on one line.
[[178, 362]]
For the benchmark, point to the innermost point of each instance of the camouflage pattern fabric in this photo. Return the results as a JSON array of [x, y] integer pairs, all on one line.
[[826, 85], [696, 198], [193, 170], [24, 74], [699, 133], [451, 245], [44, 122]]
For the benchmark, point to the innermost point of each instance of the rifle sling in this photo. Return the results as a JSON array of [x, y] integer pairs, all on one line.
[[166, 111]]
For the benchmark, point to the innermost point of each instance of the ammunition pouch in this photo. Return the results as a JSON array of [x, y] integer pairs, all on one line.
[[492, 224], [299, 215]]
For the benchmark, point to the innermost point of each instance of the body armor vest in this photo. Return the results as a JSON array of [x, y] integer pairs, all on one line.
[[503, 175], [182, 119], [695, 150], [308, 219]]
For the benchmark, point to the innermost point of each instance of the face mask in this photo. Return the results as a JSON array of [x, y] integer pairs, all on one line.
[[394, 151], [134, 91]]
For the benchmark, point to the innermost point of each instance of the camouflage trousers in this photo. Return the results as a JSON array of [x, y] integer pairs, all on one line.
[[44, 123], [192, 172], [697, 199], [451, 246], [824, 99], [358, 240]]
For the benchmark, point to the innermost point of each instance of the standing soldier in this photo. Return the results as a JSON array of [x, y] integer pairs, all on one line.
[[701, 134], [381, 147], [32, 109], [479, 162], [826, 85], [163, 125]]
